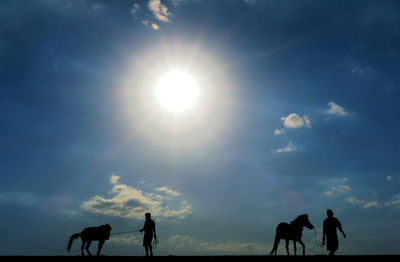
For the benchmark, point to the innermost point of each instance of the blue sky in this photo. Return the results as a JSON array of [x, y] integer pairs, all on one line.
[[297, 110]]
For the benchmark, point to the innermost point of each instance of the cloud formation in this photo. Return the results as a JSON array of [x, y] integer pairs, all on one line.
[[289, 148], [335, 109], [394, 202], [183, 242], [295, 121], [341, 189], [167, 190], [135, 8], [128, 202], [362, 203], [159, 10]]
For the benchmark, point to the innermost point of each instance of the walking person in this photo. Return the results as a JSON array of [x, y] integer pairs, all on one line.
[[330, 225], [149, 229]]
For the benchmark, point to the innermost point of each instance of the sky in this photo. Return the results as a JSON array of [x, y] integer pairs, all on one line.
[[296, 114]]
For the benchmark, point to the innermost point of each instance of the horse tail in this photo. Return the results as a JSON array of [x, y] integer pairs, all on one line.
[[71, 239]]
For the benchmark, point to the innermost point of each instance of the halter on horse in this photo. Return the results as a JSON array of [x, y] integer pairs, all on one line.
[[292, 231]]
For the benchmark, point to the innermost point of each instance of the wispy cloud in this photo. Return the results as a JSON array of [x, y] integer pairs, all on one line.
[[341, 189], [127, 239], [335, 109], [362, 203], [184, 242], [167, 190], [21, 198], [394, 202], [135, 8], [279, 131], [178, 244], [128, 202], [289, 148]]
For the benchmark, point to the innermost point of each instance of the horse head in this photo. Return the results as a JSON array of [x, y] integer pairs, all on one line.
[[305, 221]]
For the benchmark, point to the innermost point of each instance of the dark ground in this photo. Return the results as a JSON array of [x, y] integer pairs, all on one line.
[[380, 258]]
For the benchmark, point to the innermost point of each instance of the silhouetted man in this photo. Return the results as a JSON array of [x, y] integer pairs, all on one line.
[[329, 230], [149, 228]]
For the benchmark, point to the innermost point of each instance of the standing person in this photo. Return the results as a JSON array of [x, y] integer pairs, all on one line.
[[149, 228], [329, 230]]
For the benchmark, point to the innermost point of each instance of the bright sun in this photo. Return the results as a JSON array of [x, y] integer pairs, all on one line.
[[177, 91]]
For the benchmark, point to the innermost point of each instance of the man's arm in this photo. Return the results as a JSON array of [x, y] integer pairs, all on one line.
[[141, 230], [154, 230], [341, 231]]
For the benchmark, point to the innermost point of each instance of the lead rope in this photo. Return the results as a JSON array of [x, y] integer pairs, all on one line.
[[125, 232], [315, 239], [155, 242]]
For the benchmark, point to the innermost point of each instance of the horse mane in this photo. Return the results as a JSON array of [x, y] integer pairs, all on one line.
[[299, 218]]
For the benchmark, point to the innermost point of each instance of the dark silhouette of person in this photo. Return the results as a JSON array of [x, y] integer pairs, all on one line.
[[330, 225], [149, 229]]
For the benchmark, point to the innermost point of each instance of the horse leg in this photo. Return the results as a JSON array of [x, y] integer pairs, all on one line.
[[87, 247], [304, 247], [82, 247], [101, 242], [287, 246], [276, 243], [295, 248]]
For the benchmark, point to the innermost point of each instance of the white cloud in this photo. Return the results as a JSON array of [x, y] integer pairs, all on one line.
[[184, 242], [279, 131], [129, 202], [394, 202], [295, 121], [114, 179], [341, 189], [354, 200], [159, 10], [363, 203], [167, 190], [335, 109], [155, 26], [389, 178], [135, 8], [289, 148], [371, 204], [127, 239], [180, 244]]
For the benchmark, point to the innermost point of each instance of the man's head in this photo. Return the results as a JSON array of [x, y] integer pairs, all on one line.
[[148, 216], [329, 212]]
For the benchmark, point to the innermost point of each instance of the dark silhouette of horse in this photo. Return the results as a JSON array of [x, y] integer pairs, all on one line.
[[89, 234], [292, 231]]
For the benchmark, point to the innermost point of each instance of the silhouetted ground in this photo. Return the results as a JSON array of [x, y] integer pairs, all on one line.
[[380, 258]]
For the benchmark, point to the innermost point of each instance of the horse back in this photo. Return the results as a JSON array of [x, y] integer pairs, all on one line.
[[95, 233], [287, 231]]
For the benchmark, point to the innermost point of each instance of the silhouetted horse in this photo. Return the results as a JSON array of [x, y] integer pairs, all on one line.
[[89, 234], [292, 231]]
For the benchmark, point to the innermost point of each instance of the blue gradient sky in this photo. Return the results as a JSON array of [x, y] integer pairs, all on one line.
[[297, 114]]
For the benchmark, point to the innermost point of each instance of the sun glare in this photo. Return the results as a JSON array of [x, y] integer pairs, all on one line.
[[177, 91]]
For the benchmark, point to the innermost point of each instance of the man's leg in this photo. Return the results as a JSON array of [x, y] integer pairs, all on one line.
[[147, 250]]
